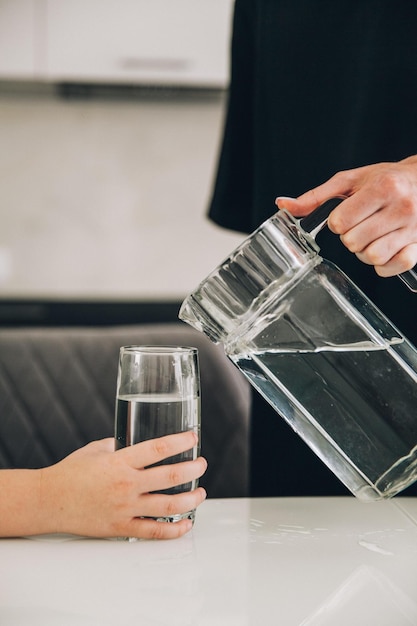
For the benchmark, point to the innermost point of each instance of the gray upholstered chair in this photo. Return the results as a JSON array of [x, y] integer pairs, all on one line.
[[57, 391]]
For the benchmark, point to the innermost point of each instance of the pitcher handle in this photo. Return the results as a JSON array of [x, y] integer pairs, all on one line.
[[314, 222]]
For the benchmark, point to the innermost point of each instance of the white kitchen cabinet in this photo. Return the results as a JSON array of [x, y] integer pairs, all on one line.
[[20, 52], [169, 42]]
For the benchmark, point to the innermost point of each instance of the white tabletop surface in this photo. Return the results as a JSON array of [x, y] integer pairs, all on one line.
[[288, 561]]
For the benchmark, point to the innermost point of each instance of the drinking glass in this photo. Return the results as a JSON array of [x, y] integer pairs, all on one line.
[[158, 394]]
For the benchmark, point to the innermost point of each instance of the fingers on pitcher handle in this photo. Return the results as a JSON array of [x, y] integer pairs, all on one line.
[[317, 219], [314, 222]]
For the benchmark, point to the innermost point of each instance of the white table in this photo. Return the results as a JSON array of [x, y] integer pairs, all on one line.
[[293, 561]]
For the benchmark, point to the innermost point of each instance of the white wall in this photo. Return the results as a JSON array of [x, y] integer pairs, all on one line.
[[107, 198]]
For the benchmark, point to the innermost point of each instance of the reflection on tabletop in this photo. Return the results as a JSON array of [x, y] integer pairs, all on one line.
[[374, 598]]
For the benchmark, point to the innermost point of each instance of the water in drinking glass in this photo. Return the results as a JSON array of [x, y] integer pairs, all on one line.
[[146, 416]]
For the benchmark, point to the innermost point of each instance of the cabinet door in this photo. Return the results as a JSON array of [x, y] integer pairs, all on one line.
[[179, 42], [18, 53]]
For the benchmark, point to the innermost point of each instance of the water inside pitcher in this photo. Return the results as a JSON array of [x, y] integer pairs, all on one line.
[[319, 351]]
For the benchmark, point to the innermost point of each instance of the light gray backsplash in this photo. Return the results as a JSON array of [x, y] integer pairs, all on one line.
[[108, 197]]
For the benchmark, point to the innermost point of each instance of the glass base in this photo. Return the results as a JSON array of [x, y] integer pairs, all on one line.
[[171, 519]]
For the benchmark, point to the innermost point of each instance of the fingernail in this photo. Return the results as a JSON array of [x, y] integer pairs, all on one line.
[[283, 199]]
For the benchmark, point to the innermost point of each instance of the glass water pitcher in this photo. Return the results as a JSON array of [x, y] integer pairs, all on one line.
[[318, 350]]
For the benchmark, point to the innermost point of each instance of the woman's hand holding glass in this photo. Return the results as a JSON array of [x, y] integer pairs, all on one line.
[[112, 494]]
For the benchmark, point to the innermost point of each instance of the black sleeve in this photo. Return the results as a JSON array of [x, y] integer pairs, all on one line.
[[232, 193]]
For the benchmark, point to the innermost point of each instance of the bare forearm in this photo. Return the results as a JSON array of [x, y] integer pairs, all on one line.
[[22, 509]]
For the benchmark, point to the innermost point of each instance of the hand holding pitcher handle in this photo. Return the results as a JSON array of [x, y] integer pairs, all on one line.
[[314, 222], [373, 209]]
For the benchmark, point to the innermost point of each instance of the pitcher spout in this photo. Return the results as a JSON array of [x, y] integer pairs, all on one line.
[[193, 313]]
